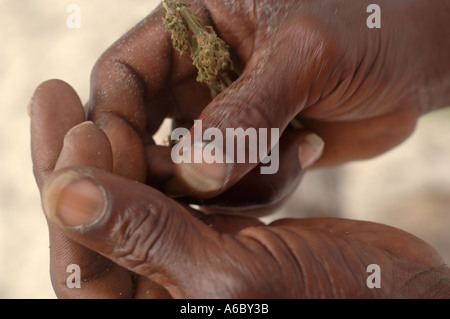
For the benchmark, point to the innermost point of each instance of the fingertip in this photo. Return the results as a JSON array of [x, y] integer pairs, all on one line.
[[74, 200], [86, 145], [204, 178], [54, 109], [202, 173], [55, 101], [53, 91]]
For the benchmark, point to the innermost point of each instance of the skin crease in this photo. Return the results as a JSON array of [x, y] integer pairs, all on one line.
[[347, 80]]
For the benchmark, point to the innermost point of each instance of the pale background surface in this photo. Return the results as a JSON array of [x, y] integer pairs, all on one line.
[[408, 187]]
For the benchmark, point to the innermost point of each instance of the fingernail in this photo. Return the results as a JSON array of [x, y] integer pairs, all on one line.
[[67, 138], [310, 150], [69, 132], [74, 200], [204, 176]]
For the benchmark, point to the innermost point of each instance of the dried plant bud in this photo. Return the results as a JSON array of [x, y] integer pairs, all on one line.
[[174, 21], [210, 54], [212, 60]]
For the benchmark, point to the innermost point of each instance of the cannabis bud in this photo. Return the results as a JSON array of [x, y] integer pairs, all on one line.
[[209, 53], [174, 22]]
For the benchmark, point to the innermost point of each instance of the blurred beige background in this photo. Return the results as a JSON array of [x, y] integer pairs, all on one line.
[[408, 187]]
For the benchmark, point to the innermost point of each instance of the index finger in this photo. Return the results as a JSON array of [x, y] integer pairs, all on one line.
[[123, 81], [50, 124]]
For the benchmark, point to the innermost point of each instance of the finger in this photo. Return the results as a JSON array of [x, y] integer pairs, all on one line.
[[358, 140], [54, 109], [123, 82], [85, 144], [298, 150], [395, 241], [142, 230]]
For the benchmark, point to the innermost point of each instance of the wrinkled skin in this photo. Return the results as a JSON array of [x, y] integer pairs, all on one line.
[[177, 252], [360, 89]]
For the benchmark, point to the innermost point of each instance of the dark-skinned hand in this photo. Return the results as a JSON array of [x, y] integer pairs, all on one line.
[[361, 90], [132, 241]]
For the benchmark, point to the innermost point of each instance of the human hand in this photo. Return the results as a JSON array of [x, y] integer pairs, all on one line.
[[360, 90], [110, 225]]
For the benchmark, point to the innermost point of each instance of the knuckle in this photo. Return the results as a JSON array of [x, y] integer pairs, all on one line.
[[138, 235]]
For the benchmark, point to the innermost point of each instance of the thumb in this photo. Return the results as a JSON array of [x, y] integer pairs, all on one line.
[[140, 229], [243, 123]]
